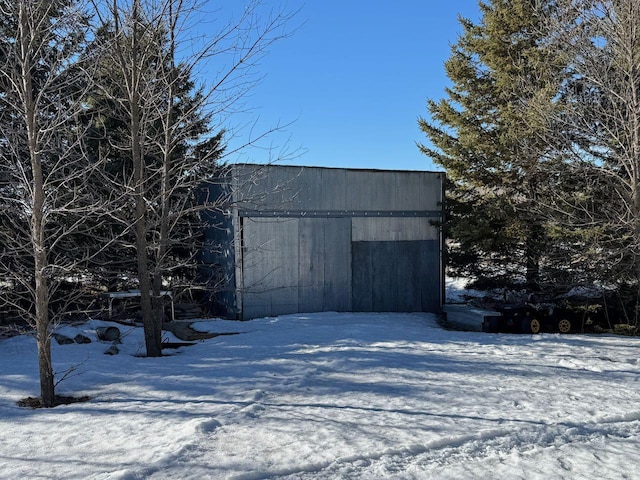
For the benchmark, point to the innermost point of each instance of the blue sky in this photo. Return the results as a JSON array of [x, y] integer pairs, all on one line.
[[354, 78]]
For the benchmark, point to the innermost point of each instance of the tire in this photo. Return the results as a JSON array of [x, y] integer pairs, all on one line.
[[564, 325], [535, 325]]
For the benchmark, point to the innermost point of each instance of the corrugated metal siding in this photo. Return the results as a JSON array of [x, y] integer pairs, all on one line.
[[337, 270], [218, 255], [282, 187], [393, 229], [311, 264]]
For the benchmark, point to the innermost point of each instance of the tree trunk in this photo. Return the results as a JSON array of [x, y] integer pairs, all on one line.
[[535, 233], [41, 284], [152, 330], [532, 257], [47, 386], [152, 324], [165, 186]]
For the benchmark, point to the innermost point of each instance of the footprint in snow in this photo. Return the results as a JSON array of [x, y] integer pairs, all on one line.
[[253, 410], [209, 426]]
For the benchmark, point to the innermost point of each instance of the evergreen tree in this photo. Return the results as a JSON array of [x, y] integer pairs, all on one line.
[[490, 136]]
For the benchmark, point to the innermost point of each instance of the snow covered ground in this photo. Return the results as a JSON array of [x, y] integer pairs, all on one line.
[[457, 291], [330, 396]]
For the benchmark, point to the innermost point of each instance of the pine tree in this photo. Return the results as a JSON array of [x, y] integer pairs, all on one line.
[[490, 136]]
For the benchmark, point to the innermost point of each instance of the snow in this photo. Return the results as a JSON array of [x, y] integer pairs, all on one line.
[[329, 396], [457, 291]]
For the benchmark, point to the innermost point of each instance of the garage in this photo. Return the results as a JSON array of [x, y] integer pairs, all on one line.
[[310, 239]]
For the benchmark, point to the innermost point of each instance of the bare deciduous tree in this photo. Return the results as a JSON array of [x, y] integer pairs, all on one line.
[[168, 121], [43, 169], [599, 134]]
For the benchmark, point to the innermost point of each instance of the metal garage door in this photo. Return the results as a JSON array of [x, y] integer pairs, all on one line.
[[293, 265], [396, 276]]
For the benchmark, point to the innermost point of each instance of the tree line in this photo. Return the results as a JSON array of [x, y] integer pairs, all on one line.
[[539, 133], [108, 132]]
